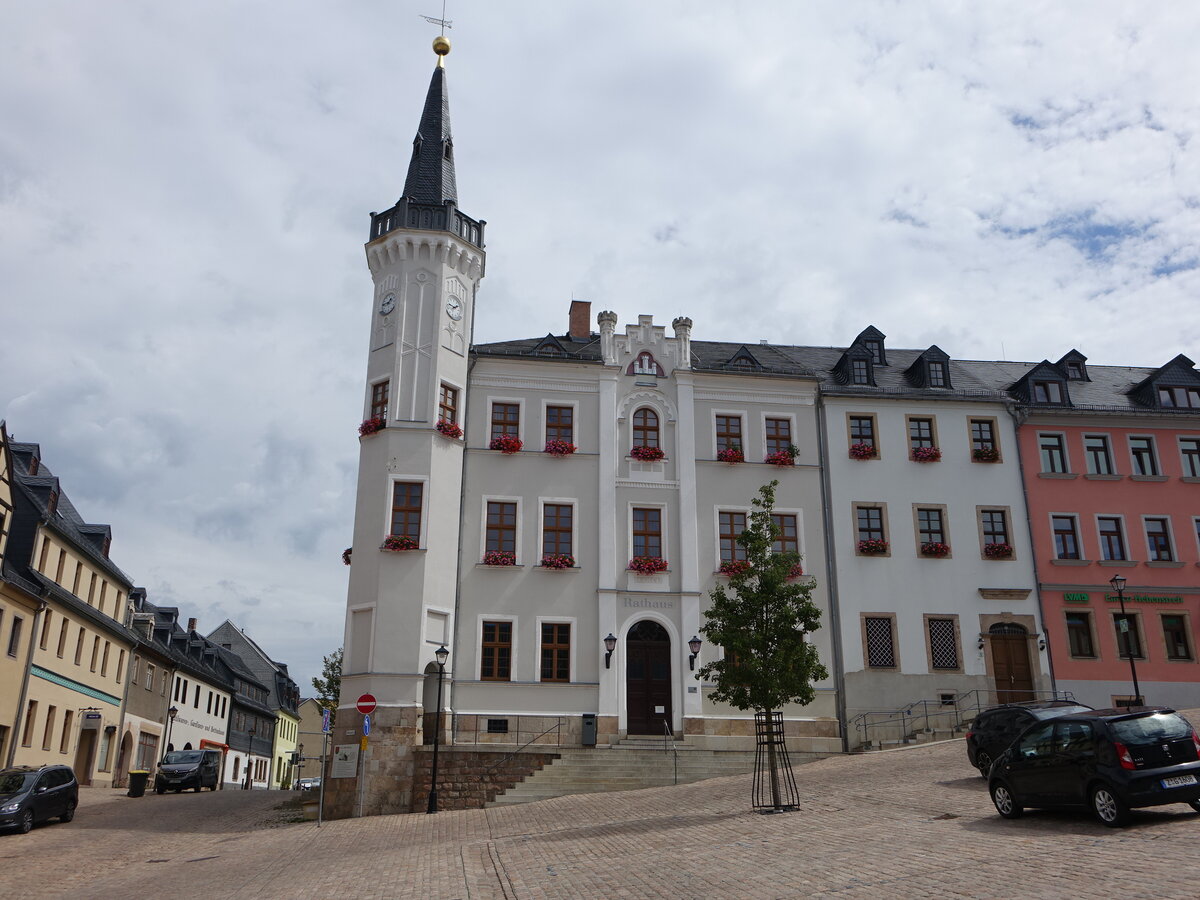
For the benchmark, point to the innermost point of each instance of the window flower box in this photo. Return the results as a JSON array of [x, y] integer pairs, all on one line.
[[872, 548], [926, 454], [448, 429], [732, 455], [647, 565], [506, 443], [796, 571], [559, 448], [986, 454], [647, 454], [371, 426], [935, 549], [863, 451], [783, 457], [734, 567], [998, 551], [398, 542], [558, 561], [500, 558], [346, 555]]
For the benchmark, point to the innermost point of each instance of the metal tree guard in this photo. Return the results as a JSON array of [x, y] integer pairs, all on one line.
[[774, 784]]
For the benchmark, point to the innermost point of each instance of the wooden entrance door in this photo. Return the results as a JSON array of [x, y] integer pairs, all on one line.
[[1010, 663], [648, 678]]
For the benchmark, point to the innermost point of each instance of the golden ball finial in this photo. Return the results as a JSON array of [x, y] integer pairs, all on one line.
[[441, 45]]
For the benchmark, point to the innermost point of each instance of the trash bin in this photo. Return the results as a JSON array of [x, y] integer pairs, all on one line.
[[137, 782], [589, 730]]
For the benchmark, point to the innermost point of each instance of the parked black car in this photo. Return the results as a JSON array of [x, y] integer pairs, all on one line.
[[182, 769], [994, 729], [1109, 760], [30, 794]]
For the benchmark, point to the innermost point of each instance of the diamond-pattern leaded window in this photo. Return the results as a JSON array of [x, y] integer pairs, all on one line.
[[943, 647], [881, 650]]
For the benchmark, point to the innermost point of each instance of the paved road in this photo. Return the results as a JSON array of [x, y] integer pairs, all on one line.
[[909, 823]]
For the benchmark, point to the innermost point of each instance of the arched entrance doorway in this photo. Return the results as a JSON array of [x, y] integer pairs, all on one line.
[[648, 678], [1010, 662]]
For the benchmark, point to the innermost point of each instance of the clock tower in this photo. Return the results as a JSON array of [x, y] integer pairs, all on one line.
[[426, 259]]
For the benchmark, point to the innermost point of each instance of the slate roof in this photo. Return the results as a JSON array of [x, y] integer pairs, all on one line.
[[1106, 389], [431, 169], [85, 537], [185, 648], [272, 674]]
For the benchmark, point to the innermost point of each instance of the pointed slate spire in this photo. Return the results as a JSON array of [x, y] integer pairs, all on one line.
[[430, 198], [431, 169]]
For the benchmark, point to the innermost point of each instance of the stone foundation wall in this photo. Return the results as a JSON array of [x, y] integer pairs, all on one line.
[[803, 735], [388, 764], [538, 731], [469, 779]]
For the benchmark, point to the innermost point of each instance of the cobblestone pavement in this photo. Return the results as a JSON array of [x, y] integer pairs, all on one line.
[[908, 823]]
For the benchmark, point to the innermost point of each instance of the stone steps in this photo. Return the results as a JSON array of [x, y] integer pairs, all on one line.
[[624, 767]]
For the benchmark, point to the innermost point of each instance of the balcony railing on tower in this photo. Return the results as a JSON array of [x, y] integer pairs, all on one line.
[[428, 217]]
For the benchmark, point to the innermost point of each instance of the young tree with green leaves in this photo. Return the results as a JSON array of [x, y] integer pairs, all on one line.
[[329, 685], [761, 620]]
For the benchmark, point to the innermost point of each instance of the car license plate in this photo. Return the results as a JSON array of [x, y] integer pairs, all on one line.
[[1178, 781]]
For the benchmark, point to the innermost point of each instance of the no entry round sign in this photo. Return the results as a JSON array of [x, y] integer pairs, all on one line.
[[366, 704]]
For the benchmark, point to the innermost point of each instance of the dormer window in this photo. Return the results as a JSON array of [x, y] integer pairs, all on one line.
[[33, 466], [1178, 397], [1075, 370], [52, 503], [860, 371], [1047, 392], [106, 546], [937, 374], [743, 362], [876, 348]]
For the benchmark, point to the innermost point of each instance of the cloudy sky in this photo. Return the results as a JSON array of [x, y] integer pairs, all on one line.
[[184, 193]]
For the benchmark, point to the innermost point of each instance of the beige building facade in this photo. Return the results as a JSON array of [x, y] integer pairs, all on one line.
[[72, 703]]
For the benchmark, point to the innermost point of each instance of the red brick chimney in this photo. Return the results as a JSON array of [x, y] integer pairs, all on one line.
[[581, 319], [192, 623]]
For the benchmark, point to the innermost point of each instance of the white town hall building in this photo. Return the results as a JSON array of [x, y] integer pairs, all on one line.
[[530, 504]]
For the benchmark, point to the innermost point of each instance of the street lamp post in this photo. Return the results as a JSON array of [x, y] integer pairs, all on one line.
[[442, 654], [249, 786], [1118, 585], [172, 712]]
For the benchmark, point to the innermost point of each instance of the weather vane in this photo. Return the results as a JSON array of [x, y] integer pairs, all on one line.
[[442, 23]]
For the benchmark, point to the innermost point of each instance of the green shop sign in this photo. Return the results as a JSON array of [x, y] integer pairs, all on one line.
[[1142, 598], [1075, 598]]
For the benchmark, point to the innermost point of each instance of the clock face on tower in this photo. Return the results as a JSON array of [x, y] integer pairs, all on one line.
[[388, 304], [454, 308]]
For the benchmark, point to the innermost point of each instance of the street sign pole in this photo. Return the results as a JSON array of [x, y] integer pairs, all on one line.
[[324, 751], [362, 775]]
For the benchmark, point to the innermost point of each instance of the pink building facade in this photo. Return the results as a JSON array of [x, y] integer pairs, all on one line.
[[1112, 475]]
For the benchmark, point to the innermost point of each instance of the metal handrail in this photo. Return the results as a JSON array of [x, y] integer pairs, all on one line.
[[962, 707], [556, 727], [669, 744]]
